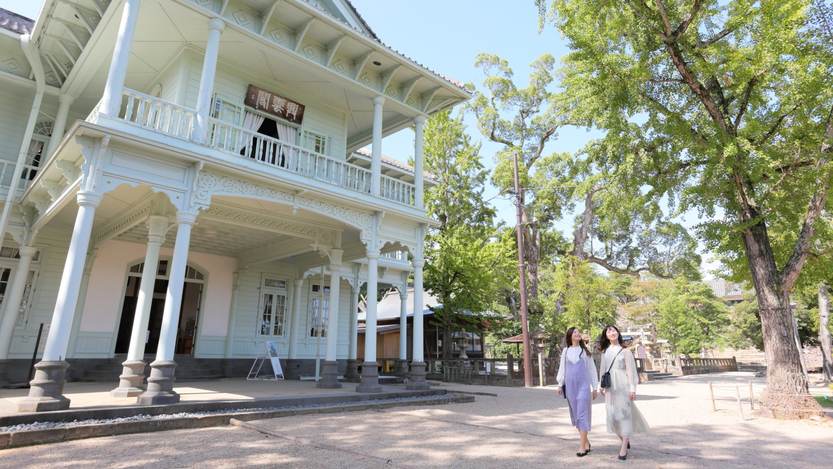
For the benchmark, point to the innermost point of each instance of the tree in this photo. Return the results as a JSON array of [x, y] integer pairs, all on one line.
[[690, 316], [723, 108], [464, 255], [588, 296]]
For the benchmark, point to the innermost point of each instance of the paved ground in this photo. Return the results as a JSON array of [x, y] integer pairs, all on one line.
[[517, 428]]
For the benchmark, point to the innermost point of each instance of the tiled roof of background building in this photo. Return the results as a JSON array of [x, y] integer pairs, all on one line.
[[16, 23]]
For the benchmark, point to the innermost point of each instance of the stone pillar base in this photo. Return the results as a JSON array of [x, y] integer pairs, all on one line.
[[4, 374], [46, 390], [131, 379], [370, 378], [401, 369], [417, 378], [160, 385], [329, 376], [293, 369], [352, 373]]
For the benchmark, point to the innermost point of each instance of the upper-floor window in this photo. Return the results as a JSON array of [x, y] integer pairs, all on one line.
[[315, 141], [226, 110]]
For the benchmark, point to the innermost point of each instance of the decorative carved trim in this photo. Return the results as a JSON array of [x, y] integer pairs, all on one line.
[[289, 227], [116, 227]]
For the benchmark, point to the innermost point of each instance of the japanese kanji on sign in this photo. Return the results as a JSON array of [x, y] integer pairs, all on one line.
[[274, 104]]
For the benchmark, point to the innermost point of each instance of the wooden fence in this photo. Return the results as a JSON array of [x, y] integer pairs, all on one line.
[[699, 366], [492, 371]]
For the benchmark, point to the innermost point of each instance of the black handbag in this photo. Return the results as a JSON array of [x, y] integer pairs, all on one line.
[[605, 381], [564, 390]]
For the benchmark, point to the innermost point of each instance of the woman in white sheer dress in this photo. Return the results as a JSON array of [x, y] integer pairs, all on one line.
[[623, 418]]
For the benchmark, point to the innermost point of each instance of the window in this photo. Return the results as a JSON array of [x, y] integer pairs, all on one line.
[[226, 111], [273, 307], [316, 142], [319, 311]]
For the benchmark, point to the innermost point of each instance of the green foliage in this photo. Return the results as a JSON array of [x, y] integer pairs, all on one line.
[[689, 315], [465, 254], [745, 329], [589, 297]]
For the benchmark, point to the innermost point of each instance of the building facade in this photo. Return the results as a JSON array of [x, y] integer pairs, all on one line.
[[187, 178]]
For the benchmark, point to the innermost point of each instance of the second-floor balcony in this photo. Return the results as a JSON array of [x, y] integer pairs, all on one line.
[[179, 122]]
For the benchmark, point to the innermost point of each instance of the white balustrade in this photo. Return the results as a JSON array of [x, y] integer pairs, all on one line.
[[177, 121], [156, 114]]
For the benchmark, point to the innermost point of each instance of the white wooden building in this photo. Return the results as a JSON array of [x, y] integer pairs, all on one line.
[[185, 179]]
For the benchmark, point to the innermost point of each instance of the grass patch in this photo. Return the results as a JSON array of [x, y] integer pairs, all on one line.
[[824, 401]]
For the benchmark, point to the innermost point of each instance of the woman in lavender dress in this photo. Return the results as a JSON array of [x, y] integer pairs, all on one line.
[[578, 372]]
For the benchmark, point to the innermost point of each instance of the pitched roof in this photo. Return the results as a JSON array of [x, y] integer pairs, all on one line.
[[16, 23], [395, 163]]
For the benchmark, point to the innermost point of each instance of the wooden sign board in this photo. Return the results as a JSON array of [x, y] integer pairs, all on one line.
[[274, 104]]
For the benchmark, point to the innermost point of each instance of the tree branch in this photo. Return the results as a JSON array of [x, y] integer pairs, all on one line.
[[687, 20], [745, 104], [776, 125], [802, 245], [713, 39]]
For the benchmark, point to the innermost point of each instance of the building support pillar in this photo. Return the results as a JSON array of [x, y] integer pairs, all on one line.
[[402, 364], [160, 388], [11, 309], [329, 370], [419, 158], [417, 376], [64, 102], [352, 373], [46, 390], [292, 362], [228, 363], [376, 148], [370, 368], [82, 299], [133, 373], [114, 87], [209, 69]]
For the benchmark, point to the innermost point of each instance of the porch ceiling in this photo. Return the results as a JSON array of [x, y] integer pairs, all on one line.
[[212, 234]]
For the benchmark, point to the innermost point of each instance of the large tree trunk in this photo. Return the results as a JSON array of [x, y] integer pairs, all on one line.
[[786, 394], [824, 333]]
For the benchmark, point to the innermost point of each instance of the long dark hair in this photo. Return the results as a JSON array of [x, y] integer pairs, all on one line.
[[568, 339], [604, 342]]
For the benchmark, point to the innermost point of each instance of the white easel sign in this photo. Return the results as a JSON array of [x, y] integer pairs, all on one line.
[[267, 350]]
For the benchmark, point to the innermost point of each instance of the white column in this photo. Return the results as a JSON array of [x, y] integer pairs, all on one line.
[[82, 299], [372, 289], [376, 154], [59, 330], [111, 101], [419, 305], [157, 226], [209, 68], [354, 323], [403, 324], [176, 281], [13, 299], [232, 315], [295, 320], [64, 102], [419, 157], [332, 322]]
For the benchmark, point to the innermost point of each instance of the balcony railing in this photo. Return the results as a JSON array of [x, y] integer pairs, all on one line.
[[176, 121], [156, 114]]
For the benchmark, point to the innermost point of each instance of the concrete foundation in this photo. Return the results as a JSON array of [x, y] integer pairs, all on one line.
[[416, 380], [370, 378], [293, 369], [131, 379], [329, 376], [160, 385], [46, 391]]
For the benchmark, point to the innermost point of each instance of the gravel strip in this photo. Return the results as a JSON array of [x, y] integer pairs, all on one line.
[[136, 418]]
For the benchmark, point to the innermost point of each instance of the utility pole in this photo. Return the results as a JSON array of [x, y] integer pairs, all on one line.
[[522, 270]]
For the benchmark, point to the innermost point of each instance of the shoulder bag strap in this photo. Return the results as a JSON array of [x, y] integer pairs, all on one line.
[[614, 359]]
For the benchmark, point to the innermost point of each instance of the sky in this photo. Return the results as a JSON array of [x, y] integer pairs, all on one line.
[[445, 36]]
